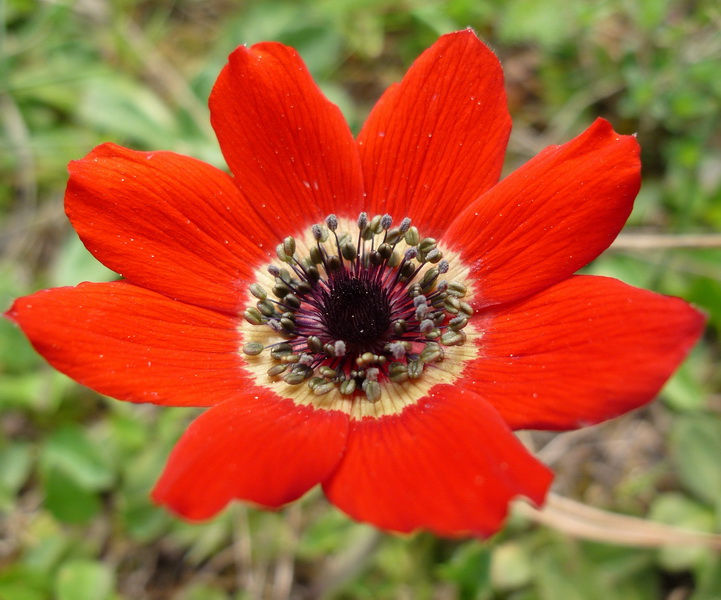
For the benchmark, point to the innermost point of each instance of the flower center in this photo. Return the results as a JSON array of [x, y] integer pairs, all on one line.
[[357, 313], [356, 310]]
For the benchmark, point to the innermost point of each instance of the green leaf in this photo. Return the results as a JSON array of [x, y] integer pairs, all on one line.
[[709, 580], [470, 570], [17, 582], [75, 264], [19, 391], [696, 447], [15, 465], [129, 111], [511, 566], [49, 544], [70, 451], [588, 571], [203, 591], [684, 391], [680, 511], [16, 354], [68, 501], [142, 520], [537, 21], [84, 580]]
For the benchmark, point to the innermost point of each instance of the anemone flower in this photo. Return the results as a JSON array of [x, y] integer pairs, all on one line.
[[375, 315]]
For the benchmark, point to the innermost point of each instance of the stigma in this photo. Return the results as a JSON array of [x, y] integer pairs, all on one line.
[[357, 312]]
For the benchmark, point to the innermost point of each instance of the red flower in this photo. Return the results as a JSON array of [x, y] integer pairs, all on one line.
[[389, 367]]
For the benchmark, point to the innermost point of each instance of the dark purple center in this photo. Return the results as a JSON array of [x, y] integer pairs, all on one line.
[[356, 309]]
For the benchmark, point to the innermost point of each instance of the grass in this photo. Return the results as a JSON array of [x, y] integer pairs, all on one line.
[[75, 468]]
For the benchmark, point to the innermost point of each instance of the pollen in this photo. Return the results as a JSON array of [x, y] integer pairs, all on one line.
[[359, 316]]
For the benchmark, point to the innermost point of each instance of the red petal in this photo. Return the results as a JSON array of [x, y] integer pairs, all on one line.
[[290, 149], [585, 350], [436, 141], [551, 217], [167, 222], [263, 449], [134, 344], [448, 464]]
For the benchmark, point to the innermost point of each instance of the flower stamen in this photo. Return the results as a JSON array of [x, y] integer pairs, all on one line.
[[358, 313]]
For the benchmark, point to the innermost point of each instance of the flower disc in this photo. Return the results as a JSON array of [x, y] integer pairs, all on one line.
[[366, 324]]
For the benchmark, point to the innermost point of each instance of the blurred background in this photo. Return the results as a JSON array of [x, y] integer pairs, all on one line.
[[75, 468]]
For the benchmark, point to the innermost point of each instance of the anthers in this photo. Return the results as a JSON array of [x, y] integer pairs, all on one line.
[[352, 312]]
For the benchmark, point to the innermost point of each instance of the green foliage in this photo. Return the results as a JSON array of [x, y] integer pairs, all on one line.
[[696, 444], [84, 580], [75, 469], [594, 572]]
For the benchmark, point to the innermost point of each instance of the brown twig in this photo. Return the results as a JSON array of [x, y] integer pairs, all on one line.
[[662, 241], [586, 522]]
